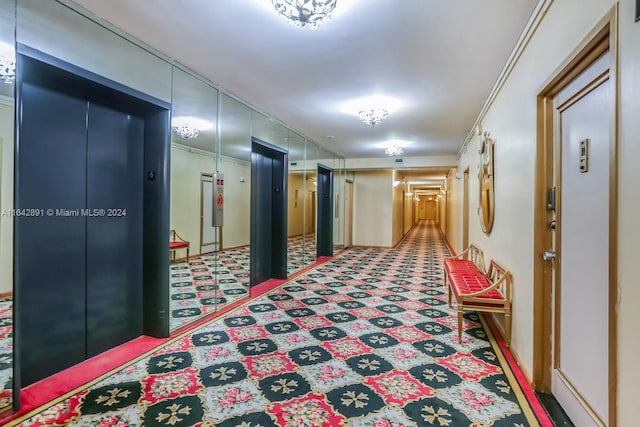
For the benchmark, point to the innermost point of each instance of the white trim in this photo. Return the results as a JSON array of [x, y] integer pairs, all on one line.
[[529, 30]]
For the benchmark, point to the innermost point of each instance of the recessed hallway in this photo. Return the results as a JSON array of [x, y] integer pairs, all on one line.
[[364, 339]]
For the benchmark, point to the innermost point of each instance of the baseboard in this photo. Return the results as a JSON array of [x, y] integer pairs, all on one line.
[[499, 329], [447, 242], [404, 236]]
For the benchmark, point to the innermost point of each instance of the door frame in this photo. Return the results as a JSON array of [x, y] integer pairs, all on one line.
[[602, 38], [348, 238], [465, 209], [219, 229], [277, 266]]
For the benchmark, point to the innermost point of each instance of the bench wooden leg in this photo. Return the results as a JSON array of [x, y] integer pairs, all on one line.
[[460, 313], [507, 329], [449, 287], [187, 255]]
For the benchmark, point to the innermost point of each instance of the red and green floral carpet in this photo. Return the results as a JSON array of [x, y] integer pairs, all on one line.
[[6, 350], [366, 339], [209, 282]]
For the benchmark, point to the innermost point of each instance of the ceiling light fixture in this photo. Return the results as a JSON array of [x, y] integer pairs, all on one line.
[[7, 63], [189, 127], [305, 13], [185, 131], [373, 116], [394, 150]]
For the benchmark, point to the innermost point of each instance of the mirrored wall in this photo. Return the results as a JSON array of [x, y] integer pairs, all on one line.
[[7, 86], [211, 134]]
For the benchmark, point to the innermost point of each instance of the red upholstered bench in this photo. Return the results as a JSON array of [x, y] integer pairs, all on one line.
[[176, 242], [475, 290], [471, 259]]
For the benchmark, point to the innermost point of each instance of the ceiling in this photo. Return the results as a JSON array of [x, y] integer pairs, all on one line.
[[439, 60]]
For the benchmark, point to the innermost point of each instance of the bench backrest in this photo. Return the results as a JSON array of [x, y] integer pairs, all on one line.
[[497, 272], [175, 237], [476, 256]]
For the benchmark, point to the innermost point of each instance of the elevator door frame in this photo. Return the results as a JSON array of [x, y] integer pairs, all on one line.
[[268, 241], [324, 231], [44, 70]]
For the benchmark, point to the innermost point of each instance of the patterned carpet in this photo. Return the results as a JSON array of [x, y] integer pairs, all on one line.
[[194, 292], [366, 339], [6, 349]]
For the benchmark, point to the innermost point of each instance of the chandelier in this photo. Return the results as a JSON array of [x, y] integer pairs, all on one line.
[[185, 131], [373, 116], [394, 150], [305, 13], [189, 127], [7, 63]]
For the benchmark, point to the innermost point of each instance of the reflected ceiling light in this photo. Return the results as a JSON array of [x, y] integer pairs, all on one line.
[[305, 13], [394, 150], [373, 116], [189, 127], [7, 63]]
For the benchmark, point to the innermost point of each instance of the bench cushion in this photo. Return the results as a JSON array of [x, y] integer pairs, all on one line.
[[468, 282], [178, 245], [454, 264]]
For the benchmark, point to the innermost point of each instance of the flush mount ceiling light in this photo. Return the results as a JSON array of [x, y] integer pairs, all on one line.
[[394, 147], [394, 150], [189, 127], [305, 13], [371, 109], [7, 63], [373, 116]]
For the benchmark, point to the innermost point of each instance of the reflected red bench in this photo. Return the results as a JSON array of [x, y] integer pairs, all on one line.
[[176, 242]]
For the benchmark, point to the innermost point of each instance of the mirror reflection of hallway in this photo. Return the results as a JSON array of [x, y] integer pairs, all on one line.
[[268, 252]]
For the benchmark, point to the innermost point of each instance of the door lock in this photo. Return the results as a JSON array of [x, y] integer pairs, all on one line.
[[552, 224], [549, 256]]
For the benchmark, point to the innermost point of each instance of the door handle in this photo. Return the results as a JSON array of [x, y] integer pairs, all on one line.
[[549, 256]]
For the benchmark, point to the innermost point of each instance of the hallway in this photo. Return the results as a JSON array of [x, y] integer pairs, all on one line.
[[365, 339]]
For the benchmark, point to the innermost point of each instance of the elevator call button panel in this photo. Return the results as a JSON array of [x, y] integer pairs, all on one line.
[[218, 199]]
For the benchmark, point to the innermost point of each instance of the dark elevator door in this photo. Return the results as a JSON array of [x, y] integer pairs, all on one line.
[[79, 264], [268, 249], [325, 210]]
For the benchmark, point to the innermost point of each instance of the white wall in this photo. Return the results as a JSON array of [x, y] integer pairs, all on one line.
[[6, 195], [453, 210], [408, 213], [397, 216], [237, 201], [372, 216], [511, 119], [295, 211], [186, 169]]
